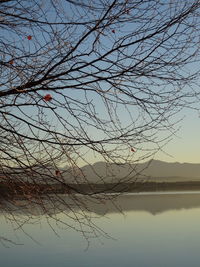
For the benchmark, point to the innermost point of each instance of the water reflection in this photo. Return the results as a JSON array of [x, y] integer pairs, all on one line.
[[158, 230], [151, 203]]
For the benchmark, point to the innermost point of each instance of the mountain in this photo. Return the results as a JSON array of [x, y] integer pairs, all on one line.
[[166, 171], [154, 170], [102, 172]]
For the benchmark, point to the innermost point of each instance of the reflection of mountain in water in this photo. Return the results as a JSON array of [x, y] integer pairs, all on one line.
[[154, 204], [158, 203]]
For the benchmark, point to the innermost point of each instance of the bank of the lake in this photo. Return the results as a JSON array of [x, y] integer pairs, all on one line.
[[17, 189]]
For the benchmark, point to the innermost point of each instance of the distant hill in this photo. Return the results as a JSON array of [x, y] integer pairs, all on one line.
[[166, 171], [154, 170], [102, 172]]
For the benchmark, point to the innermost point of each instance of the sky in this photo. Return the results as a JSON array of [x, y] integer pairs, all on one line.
[[185, 146]]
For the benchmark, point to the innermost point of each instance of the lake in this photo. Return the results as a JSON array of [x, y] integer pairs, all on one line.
[[139, 230]]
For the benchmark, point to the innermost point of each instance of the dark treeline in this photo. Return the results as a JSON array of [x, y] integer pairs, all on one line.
[[18, 189]]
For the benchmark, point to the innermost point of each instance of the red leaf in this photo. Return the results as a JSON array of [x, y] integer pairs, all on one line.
[[47, 97], [11, 62], [113, 31], [57, 172], [133, 150], [29, 37]]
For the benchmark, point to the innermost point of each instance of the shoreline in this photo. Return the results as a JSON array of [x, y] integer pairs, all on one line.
[[19, 189]]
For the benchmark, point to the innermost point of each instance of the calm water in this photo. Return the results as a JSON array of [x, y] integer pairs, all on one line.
[[154, 230]]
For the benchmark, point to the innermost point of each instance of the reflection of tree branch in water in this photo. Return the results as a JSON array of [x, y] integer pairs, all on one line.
[[7, 242], [81, 217], [76, 212]]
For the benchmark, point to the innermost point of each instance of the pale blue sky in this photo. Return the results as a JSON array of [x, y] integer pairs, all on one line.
[[185, 146]]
